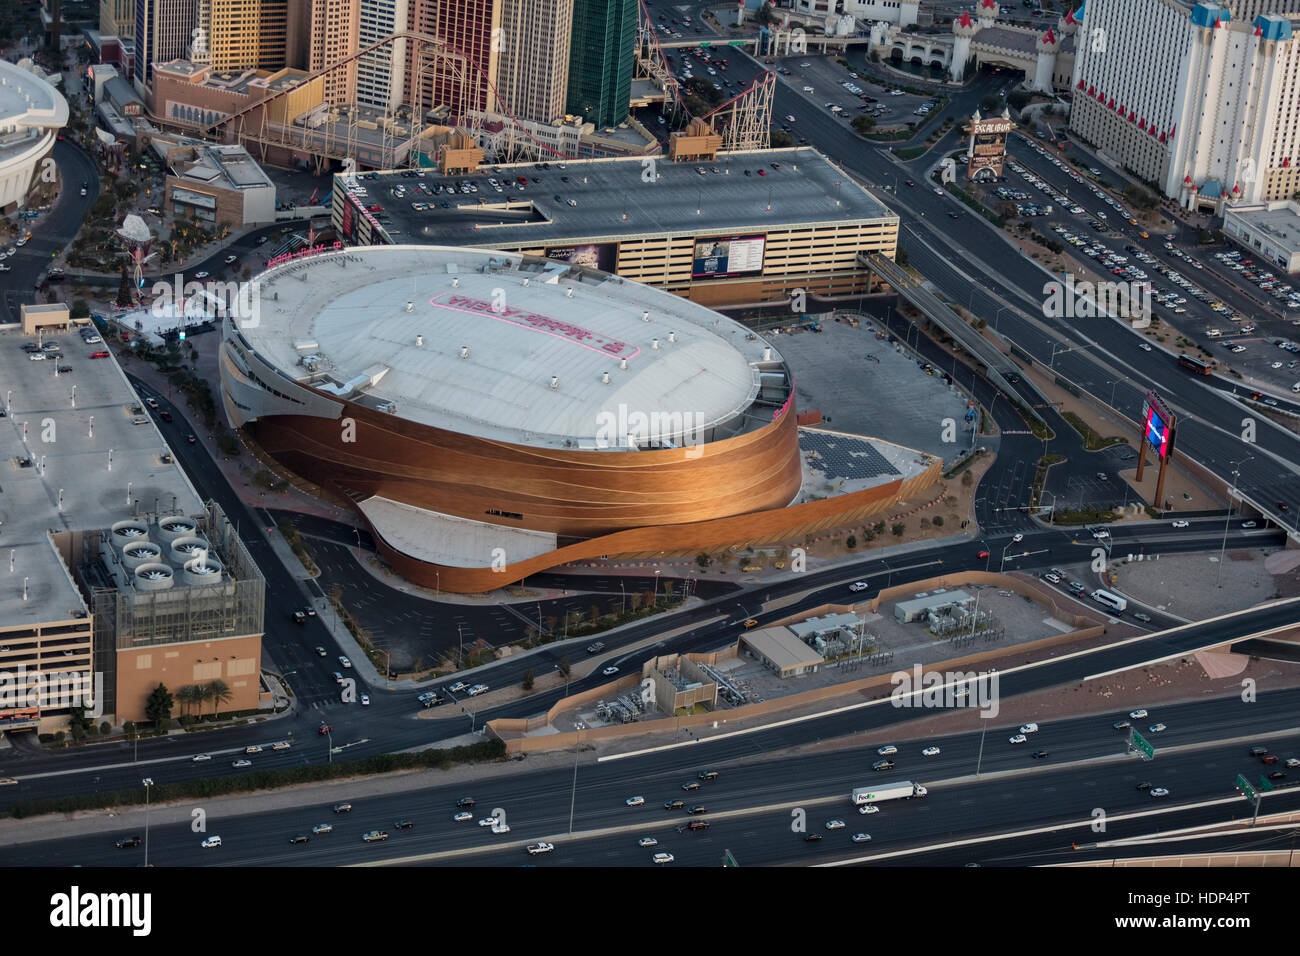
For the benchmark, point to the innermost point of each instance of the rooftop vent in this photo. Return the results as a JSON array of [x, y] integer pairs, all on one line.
[[464, 351], [555, 383], [605, 377]]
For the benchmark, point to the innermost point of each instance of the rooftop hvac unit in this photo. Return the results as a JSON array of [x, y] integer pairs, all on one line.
[[129, 532], [199, 572], [169, 529], [153, 577], [143, 552], [187, 548]]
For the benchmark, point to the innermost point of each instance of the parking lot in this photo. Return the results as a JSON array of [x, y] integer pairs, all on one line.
[[821, 82]]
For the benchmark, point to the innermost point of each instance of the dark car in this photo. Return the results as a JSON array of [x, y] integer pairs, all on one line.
[[812, 838], [1277, 775], [909, 183], [300, 838], [128, 842], [165, 415], [464, 802], [1039, 754], [1258, 751], [883, 765], [1144, 785], [674, 804], [693, 811], [692, 785], [299, 617], [191, 439], [403, 825], [709, 775], [698, 825]]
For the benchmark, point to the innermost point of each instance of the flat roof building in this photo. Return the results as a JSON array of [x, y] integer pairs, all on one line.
[[781, 651], [1268, 230], [921, 606]]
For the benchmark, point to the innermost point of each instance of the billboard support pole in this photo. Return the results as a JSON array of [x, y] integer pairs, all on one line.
[[1142, 448]]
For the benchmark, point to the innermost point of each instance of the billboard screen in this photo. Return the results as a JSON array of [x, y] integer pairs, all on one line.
[[728, 256], [1158, 426], [593, 255]]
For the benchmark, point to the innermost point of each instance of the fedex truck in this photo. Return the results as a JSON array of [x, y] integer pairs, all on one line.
[[903, 790]]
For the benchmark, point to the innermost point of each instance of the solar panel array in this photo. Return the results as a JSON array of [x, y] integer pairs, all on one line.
[[840, 457]]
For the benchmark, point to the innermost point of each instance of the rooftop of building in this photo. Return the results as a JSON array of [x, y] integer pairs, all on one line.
[[29, 102], [1279, 221], [391, 323], [228, 166], [75, 460], [618, 199]]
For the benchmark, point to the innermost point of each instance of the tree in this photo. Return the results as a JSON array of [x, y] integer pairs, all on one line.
[[158, 708], [80, 309], [900, 256], [124, 290], [703, 560], [527, 683], [780, 139], [864, 124], [851, 542], [564, 666], [219, 693], [897, 529]]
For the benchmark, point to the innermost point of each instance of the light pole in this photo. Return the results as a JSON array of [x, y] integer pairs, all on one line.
[[148, 783], [573, 796], [329, 736], [657, 572], [980, 759], [1002, 565], [999, 316], [1227, 520]]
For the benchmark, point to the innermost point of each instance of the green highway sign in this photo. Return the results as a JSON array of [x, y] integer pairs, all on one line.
[[705, 43], [1265, 784], [1142, 745], [736, 43], [728, 859], [1246, 789]]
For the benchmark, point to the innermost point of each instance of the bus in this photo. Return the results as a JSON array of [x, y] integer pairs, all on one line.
[[1112, 601], [1195, 365]]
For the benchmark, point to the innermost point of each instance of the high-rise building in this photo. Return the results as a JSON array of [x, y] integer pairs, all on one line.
[[162, 32], [471, 28], [332, 31], [1193, 98], [246, 34], [117, 17], [381, 72], [533, 67], [601, 59]]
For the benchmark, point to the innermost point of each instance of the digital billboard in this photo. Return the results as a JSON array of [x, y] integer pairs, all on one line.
[[593, 255], [1158, 425], [719, 258]]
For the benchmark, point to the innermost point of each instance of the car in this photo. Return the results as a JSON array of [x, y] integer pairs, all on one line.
[[322, 828], [635, 801], [762, 172], [338, 677], [1281, 505], [231, 260], [1268, 758], [887, 750], [463, 817], [488, 822], [281, 745], [1249, 524], [674, 804], [834, 824], [403, 825], [596, 648], [342, 808], [858, 586], [197, 757], [709, 775], [324, 729], [612, 669], [1039, 754], [1277, 775], [1292, 763], [1016, 539], [1142, 616], [191, 438], [1101, 534], [868, 808], [127, 842], [696, 811], [982, 554], [242, 763], [300, 838], [1157, 728], [1029, 729], [344, 661], [1144, 785], [883, 765], [661, 858], [102, 353], [1137, 714], [374, 836], [1159, 792], [691, 785], [861, 838], [365, 700], [930, 752], [501, 828], [536, 849], [1019, 739], [1180, 523], [812, 838], [477, 689], [254, 749], [210, 842], [201, 275]]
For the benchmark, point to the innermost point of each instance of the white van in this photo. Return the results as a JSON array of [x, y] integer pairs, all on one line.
[[1107, 599]]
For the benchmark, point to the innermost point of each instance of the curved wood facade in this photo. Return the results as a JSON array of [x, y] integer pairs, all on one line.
[[573, 494]]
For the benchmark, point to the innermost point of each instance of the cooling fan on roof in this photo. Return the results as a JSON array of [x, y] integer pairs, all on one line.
[[155, 575], [131, 532]]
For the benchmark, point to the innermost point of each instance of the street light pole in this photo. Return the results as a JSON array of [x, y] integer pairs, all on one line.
[[1227, 520], [329, 736], [980, 759], [148, 782], [573, 796]]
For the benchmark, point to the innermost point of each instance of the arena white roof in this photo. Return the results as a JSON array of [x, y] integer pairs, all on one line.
[[28, 101], [389, 323]]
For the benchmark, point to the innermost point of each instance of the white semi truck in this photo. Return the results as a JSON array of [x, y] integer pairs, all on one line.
[[903, 790]]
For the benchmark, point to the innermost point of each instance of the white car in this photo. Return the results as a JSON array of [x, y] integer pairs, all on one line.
[[320, 828], [1017, 539], [534, 849], [661, 858], [200, 275], [1159, 792], [887, 750], [477, 689], [457, 687], [1158, 728], [501, 828], [1019, 739], [861, 837], [463, 817], [242, 763], [647, 841], [930, 752], [1180, 523], [365, 700], [211, 842], [197, 757], [938, 191], [1029, 729], [255, 749], [635, 801], [834, 824], [858, 586], [610, 670], [1101, 534], [230, 260], [1145, 347], [789, 117], [488, 822], [344, 661], [868, 808], [1137, 715]]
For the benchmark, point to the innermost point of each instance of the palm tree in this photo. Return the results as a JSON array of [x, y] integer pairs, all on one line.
[[219, 693], [188, 696], [203, 694]]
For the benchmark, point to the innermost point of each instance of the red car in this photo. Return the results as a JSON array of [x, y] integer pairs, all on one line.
[[165, 415], [325, 729], [100, 354], [982, 554], [1268, 758]]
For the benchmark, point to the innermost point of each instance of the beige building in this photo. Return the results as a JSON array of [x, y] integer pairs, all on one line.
[[117, 17], [473, 29], [533, 65], [244, 34], [332, 33]]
